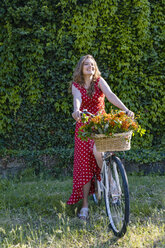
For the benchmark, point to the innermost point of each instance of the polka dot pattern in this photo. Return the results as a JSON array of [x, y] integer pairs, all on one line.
[[85, 166]]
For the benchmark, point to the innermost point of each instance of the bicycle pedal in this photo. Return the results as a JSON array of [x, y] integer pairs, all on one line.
[[116, 202]]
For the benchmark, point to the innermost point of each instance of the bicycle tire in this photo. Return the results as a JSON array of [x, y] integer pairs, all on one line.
[[117, 212]]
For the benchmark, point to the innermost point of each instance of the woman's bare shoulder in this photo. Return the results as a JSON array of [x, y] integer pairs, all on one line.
[[101, 81]]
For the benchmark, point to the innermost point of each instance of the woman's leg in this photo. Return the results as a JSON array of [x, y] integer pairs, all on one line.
[[86, 189], [98, 157]]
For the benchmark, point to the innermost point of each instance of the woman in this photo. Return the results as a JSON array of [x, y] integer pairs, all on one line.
[[89, 90]]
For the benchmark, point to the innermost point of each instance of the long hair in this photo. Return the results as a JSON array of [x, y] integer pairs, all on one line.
[[78, 74]]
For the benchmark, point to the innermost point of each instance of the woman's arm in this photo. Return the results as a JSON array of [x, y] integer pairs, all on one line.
[[113, 98], [76, 103]]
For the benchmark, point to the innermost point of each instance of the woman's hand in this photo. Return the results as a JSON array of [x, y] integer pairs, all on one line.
[[130, 113], [76, 115]]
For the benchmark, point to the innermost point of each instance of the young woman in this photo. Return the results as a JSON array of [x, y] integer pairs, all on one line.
[[89, 90]]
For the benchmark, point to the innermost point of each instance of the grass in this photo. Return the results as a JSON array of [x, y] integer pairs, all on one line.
[[33, 213]]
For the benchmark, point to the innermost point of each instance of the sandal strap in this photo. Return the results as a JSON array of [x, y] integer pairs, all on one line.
[[84, 212]]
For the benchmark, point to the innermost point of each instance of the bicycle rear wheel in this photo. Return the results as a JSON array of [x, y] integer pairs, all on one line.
[[116, 194]]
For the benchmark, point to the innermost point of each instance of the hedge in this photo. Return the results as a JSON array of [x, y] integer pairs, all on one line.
[[40, 44]]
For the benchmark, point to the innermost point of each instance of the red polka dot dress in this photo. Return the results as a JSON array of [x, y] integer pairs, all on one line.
[[85, 166]]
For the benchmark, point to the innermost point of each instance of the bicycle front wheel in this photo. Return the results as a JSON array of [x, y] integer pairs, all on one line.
[[116, 194]]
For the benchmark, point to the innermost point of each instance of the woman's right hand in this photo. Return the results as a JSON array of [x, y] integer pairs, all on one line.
[[76, 115]]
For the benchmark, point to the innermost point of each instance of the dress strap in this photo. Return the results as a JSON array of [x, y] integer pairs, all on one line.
[[97, 81], [76, 85]]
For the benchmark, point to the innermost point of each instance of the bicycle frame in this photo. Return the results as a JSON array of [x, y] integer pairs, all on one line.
[[105, 156]]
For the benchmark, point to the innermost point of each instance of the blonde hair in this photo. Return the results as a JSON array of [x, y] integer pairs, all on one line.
[[78, 74]]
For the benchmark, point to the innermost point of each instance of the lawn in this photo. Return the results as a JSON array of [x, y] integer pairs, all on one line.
[[33, 213]]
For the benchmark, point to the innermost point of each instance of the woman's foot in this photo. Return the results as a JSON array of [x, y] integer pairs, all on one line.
[[84, 214]]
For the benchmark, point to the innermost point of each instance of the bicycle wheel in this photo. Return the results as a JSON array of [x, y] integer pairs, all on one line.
[[116, 194]]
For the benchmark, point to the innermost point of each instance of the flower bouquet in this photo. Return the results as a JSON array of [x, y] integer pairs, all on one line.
[[111, 132]]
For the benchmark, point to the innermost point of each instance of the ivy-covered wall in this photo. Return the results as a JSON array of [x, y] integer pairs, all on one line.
[[42, 40]]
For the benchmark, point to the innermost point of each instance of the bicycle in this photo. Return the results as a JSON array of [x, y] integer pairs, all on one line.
[[114, 187]]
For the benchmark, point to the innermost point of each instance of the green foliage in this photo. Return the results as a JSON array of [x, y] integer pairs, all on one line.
[[145, 156], [40, 44], [55, 162], [58, 161]]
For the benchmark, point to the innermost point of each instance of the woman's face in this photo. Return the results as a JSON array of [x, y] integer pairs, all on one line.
[[88, 67]]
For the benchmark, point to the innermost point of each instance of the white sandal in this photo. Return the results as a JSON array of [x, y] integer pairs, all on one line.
[[84, 214]]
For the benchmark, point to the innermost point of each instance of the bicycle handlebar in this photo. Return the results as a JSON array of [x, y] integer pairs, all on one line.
[[88, 113], [84, 111]]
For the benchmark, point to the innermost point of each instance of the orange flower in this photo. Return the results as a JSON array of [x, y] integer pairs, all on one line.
[[108, 124]]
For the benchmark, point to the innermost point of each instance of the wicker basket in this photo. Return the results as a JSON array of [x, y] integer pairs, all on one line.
[[117, 142]]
